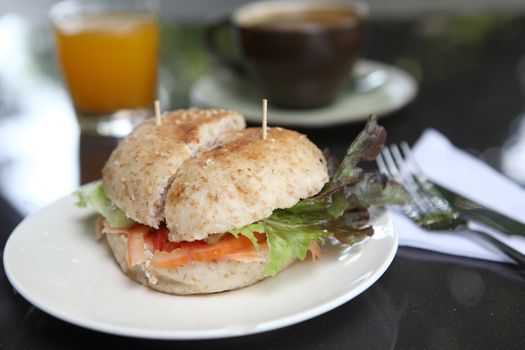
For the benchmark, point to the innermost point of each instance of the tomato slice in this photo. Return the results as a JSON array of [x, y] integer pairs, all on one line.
[[158, 240], [168, 254], [171, 254], [155, 239]]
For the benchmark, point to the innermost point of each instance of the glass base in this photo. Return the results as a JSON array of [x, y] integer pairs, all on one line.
[[118, 124]]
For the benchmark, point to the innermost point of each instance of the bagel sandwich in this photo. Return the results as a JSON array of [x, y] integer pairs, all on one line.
[[201, 204]]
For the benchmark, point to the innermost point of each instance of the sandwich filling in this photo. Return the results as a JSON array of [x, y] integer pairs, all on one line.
[[167, 254]]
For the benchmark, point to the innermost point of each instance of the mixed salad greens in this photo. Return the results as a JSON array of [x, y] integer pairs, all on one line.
[[339, 210]]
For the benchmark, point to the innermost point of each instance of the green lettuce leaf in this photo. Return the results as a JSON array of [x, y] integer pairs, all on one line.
[[94, 195], [287, 242]]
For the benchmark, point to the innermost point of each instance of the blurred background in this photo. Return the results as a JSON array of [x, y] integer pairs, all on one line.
[[195, 10], [473, 46]]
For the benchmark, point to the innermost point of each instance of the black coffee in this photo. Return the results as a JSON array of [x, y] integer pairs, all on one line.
[[299, 20]]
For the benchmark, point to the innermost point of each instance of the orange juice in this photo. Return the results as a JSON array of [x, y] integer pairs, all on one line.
[[109, 61]]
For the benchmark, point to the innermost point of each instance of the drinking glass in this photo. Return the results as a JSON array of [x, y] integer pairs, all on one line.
[[108, 55]]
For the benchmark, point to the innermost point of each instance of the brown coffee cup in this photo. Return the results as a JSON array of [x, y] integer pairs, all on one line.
[[300, 53]]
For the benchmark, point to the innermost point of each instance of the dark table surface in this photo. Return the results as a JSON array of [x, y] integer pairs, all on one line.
[[468, 68]]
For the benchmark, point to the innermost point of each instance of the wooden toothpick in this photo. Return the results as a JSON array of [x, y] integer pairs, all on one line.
[[158, 116], [264, 117]]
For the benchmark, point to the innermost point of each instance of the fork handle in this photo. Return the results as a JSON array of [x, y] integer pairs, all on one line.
[[512, 253]]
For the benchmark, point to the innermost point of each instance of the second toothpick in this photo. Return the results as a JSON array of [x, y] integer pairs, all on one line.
[[264, 118]]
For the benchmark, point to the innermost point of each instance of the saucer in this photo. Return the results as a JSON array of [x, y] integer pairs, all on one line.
[[395, 89]]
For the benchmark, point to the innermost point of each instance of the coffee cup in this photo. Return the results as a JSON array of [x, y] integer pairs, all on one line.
[[300, 53]]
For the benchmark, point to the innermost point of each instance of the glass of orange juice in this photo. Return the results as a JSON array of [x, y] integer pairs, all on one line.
[[108, 54]]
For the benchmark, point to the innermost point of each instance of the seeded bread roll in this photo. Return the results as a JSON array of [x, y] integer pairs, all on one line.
[[242, 181], [140, 170], [193, 278]]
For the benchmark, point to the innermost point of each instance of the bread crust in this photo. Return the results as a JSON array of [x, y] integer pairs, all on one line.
[[193, 278], [242, 181], [141, 168]]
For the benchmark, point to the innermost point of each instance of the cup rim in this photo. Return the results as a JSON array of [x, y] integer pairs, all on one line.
[[361, 7], [68, 7]]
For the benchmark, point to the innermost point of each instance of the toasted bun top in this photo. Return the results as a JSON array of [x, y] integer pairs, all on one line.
[[141, 168], [242, 181]]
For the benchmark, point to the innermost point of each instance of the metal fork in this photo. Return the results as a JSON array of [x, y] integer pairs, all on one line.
[[428, 208]]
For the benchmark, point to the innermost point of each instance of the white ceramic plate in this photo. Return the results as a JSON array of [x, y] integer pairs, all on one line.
[[395, 90], [53, 260]]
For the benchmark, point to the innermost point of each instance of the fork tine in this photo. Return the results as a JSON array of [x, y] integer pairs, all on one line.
[[416, 168], [381, 165], [426, 187], [411, 159], [417, 207], [390, 164], [419, 196]]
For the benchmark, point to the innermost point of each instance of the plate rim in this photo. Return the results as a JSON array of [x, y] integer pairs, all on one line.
[[274, 324], [197, 100]]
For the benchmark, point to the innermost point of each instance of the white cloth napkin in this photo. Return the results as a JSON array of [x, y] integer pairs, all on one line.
[[469, 176]]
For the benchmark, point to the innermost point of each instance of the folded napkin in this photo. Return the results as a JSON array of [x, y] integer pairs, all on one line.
[[469, 176]]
